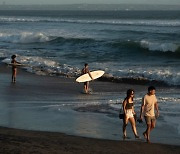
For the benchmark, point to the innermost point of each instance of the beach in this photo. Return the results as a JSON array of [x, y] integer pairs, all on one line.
[[21, 141], [135, 49], [28, 105]]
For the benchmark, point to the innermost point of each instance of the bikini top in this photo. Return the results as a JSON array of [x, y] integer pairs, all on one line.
[[129, 105]]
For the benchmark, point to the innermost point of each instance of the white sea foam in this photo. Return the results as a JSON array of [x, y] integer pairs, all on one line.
[[165, 74], [169, 99], [40, 36], [143, 22], [24, 37], [42, 66], [157, 46]]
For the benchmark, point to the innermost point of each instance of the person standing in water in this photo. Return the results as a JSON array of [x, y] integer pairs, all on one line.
[[149, 103], [14, 68], [84, 71], [128, 108]]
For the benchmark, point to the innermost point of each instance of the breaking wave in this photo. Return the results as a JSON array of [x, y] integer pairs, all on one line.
[[147, 45], [156, 46], [43, 66], [24, 38], [28, 38]]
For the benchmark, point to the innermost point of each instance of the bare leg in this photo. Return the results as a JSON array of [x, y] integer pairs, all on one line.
[[133, 125], [145, 135], [148, 132], [125, 121], [14, 72], [87, 87], [150, 127], [12, 78]]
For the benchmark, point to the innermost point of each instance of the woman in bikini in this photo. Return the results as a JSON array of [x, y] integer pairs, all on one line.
[[14, 68], [129, 113]]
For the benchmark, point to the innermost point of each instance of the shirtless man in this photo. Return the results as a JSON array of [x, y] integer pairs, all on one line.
[[86, 84], [149, 103]]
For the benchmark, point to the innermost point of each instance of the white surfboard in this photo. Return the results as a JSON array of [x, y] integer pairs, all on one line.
[[86, 77]]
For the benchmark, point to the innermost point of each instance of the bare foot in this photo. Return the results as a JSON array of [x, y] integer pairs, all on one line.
[[137, 137], [145, 135], [124, 137], [148, 141]]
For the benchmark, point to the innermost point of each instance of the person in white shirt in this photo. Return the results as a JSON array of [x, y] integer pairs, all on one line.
[[148, 107]]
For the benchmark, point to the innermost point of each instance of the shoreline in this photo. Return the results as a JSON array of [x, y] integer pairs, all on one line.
[[33, 94], [24, 141]]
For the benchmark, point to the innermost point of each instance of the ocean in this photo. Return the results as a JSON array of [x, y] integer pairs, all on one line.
[[138, 46]]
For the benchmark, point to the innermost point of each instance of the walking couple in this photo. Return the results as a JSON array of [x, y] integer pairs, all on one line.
[[149, 105]]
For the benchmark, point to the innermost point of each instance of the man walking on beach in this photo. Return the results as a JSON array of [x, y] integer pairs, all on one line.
[[149, 103]]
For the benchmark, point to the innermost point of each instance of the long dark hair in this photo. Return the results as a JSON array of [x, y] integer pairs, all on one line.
[[129, 92]]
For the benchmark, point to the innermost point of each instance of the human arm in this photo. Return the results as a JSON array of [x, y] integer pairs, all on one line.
[[157, 109], [15, 62], [133, 111], [142, 109], [124, 106], [18, 62], [90, 75]]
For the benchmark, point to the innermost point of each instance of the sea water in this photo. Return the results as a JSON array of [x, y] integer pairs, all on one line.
[[126, 44], [130, 45]]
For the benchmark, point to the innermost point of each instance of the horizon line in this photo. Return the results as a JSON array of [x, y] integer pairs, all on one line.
[[93, 4]]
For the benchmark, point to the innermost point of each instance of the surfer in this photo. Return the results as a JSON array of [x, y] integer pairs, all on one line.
[[14, 68], [128, 108], [84, 71], [149, 103]]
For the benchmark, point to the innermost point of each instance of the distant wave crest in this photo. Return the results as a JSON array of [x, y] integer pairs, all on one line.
[[157, 46], [141, 22], [39, 37], [25, 37], [28, 37], [148, 45]]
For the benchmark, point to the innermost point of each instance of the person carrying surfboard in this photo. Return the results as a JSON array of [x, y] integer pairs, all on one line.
[[84, 71], [14, 68]]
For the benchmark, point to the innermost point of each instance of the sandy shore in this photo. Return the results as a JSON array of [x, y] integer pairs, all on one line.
[[17, 141], [35, 89]]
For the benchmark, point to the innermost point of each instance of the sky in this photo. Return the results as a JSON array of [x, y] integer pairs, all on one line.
[[17, 2]]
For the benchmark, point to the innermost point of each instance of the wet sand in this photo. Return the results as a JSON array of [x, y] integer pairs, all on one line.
[[30, 87], [22, 141]]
